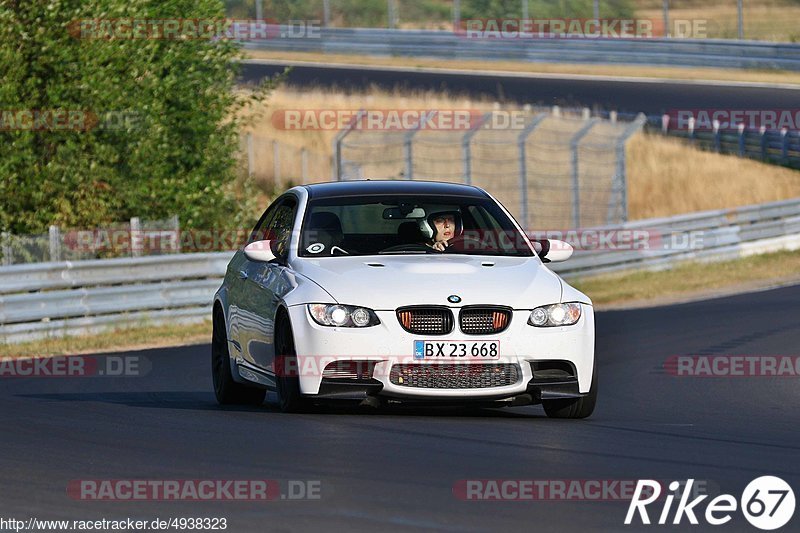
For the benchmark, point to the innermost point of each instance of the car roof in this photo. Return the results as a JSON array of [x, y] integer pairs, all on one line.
[[377, 187]]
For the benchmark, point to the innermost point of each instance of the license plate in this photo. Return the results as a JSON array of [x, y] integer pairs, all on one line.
[[456, 349]]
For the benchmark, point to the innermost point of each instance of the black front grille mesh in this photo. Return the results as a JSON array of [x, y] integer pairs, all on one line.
[[426, 320], [454, 376], [484, 320]]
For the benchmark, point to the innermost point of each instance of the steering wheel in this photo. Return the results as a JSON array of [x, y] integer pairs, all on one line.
[[462, 242]]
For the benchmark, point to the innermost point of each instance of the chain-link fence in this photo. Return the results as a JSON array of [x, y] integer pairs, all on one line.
[[272, 161], [551, 169]]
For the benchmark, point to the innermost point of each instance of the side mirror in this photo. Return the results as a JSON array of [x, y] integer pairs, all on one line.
[[259, 251], [553, 250]]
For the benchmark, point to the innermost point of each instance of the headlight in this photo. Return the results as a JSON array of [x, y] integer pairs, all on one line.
[[346, 316], [555, 315]]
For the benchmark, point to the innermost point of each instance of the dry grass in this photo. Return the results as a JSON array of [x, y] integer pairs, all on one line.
[[693, 279], [616, 71], [763, 20], [114, 340], [665, 176]]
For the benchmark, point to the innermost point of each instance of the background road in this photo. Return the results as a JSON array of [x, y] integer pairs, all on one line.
[[390, 470], [623, 96]]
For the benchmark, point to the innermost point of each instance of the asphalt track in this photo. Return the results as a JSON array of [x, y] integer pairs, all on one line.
[[393, 470], [651, 98]]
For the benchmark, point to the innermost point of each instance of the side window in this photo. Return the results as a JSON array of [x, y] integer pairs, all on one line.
[[260, 231], [279, 227]]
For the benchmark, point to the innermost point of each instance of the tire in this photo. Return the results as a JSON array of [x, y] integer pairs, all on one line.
[[227, 391], [287, 379], [574, 407]]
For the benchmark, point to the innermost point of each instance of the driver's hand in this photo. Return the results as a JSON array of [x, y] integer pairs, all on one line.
[[440, 245]]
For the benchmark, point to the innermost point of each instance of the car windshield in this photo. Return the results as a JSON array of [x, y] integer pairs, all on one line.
[[392, 224]]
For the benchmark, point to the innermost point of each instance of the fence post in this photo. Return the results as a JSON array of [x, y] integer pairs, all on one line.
[[717, 136], [466, 150], [523, 167], [54, 235], [250, 155], [408, 139], [135, 238], [741, 139], [176, 227], [304, 165], [8, 254], [276, 162], [619, 184], [763, 131], [576, 194], [691, 129], [337, 145]]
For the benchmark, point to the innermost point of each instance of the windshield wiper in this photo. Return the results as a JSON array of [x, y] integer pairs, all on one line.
[[392, 252]]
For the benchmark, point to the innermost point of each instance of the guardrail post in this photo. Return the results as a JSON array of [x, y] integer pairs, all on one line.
[[54, 235], [717, 136], [337, 145], [135, 237], [619, 184], [523, 166], [576, 194], [785, 145], [763, 131], [466, 150], [691, 129]]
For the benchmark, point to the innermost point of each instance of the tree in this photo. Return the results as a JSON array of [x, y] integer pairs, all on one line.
[[159, 134]]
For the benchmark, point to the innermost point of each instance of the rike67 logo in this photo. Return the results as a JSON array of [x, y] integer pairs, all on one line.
[[767, 503]]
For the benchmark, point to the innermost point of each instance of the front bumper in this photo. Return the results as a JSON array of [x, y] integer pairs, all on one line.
[[388, 344]]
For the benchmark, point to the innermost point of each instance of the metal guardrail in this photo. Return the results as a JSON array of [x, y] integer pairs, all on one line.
[[452, 45], [55, 299]]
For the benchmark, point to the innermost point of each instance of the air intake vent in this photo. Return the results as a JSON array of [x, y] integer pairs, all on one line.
[[426, 320], [484, 320], [455, 376]]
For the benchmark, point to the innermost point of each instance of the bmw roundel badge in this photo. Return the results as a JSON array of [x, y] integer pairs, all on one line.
[[453, 298]]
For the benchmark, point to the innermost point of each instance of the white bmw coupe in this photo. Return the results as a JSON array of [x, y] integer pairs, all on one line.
[[400, 291]]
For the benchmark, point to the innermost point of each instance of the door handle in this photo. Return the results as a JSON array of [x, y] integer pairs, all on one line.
[[242, 274]]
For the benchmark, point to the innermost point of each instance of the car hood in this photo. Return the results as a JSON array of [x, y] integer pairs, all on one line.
[[391, 281]]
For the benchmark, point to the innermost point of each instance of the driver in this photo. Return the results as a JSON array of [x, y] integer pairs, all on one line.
[[440, 228]]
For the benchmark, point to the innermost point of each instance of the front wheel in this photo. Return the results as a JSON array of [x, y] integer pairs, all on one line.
[[287, 371], [227, 391], [574, 407]]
